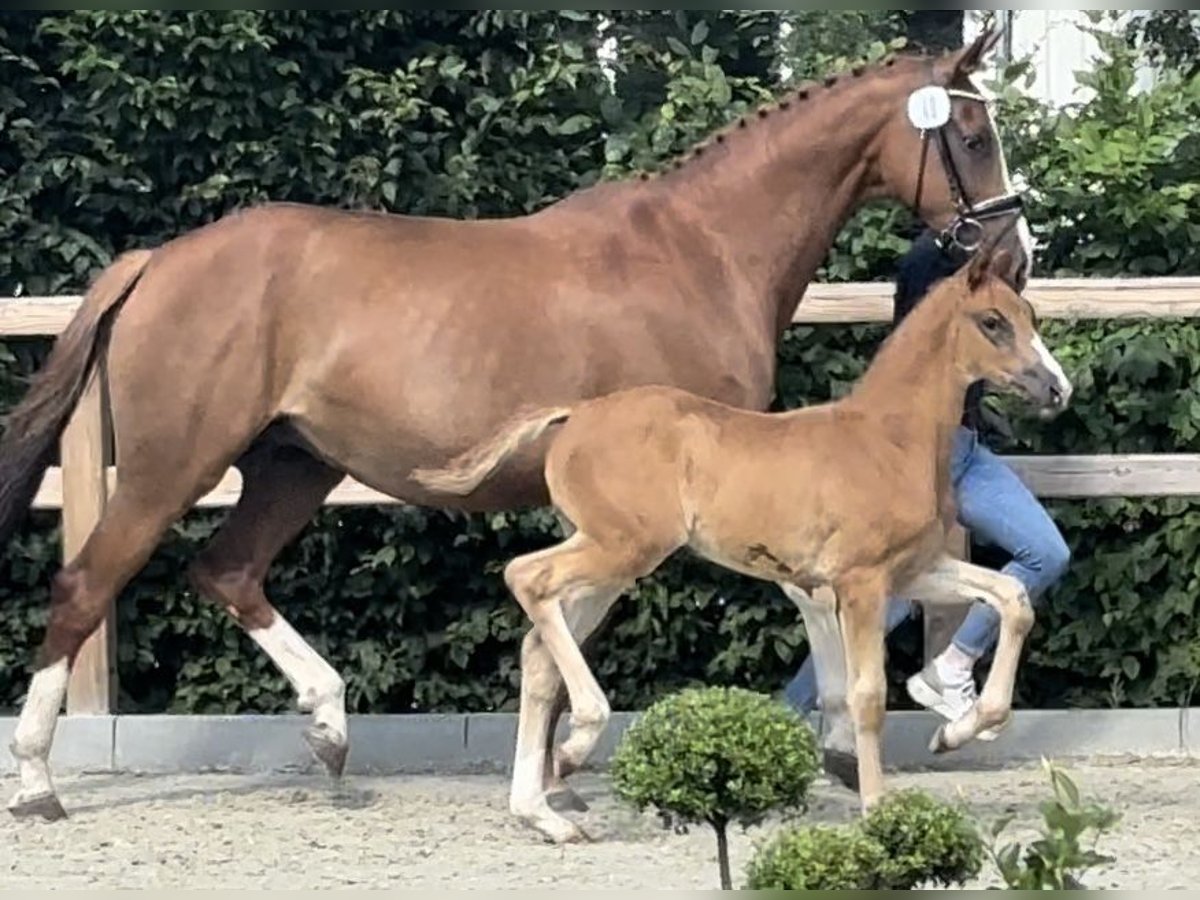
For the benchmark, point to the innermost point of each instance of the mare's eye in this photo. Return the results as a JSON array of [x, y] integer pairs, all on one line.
[[974, 142]]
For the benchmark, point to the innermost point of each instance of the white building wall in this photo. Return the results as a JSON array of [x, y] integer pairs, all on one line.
[[1059, 46]]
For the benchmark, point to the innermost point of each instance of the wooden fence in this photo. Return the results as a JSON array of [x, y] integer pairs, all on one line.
[[80, 487]]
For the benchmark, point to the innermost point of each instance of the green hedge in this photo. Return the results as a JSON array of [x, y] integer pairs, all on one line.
[[104, 145]]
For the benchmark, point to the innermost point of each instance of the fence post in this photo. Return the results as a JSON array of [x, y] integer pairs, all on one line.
[[942, 621], [92, 687]]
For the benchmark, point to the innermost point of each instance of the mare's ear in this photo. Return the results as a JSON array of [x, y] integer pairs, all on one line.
[[961, 63], [985, 263]]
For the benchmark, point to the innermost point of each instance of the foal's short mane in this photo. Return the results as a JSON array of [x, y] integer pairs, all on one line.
[[923, 327]]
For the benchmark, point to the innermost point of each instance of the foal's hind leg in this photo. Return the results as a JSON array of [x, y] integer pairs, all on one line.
[[544, 699], [583, 571], [282, 489], [81, 593]]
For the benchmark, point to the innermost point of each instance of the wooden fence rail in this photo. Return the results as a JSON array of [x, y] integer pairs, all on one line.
[[80, 487]]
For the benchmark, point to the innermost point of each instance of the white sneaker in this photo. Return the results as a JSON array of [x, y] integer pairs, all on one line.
[[950, 701]]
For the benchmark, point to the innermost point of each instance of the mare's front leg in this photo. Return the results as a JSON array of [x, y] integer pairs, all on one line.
[[819, 611], [953, 581]]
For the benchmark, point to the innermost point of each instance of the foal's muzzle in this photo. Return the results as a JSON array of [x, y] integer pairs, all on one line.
[[1046, 388]]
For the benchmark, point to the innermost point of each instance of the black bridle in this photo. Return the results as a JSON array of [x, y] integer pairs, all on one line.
[[965, 230]]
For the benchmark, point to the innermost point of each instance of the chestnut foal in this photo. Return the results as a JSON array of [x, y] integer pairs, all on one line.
[[854, 494]]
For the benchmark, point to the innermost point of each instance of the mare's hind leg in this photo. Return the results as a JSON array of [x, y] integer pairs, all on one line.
[[81, 593], [283, 488], [825, 644], [558, 793], [580, 572]]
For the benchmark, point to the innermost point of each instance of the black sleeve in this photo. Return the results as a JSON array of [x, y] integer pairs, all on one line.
[[923, 266]]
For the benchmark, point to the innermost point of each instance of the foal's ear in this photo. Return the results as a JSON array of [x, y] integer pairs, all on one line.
[[983, 264], [963, 62]]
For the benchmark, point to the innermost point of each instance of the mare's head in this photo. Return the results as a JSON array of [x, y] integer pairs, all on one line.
[[941, 154], [997, 336]]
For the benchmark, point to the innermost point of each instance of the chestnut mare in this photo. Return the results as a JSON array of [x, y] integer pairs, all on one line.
[[854, 494], [303, 344]]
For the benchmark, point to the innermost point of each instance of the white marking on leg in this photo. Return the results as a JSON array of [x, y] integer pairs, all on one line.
[[828, 653], [1047, 359], [319, 688], [527, 793], [34, 734]]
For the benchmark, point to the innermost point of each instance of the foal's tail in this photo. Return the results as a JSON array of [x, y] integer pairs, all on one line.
[[468, 470], [34, 426]]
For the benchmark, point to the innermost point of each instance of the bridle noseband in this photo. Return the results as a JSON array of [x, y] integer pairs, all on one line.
[[965, 230]]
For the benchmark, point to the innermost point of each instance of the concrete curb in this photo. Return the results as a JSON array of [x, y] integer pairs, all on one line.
[[466, 743]]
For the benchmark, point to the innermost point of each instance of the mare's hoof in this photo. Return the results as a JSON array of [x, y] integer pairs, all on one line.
[[44, 806], [566, 800], [843, 767], [328, 747]]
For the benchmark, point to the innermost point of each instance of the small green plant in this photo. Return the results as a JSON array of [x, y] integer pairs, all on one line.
[[1059, 857], [925, 840], [717, 755], [818, 858]]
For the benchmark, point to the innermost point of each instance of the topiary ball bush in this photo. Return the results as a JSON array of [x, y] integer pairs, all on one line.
[[716, 753], [818, 858], [926, 840]]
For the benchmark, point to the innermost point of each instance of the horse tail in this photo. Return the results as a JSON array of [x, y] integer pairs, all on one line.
[[34, 427], [469, 469]]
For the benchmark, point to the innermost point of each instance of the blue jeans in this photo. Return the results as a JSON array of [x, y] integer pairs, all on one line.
[[997, 509]]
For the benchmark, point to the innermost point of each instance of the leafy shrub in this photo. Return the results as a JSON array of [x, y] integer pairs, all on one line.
[[1056, 861], [818, 858], [716, 755], [924, 840]]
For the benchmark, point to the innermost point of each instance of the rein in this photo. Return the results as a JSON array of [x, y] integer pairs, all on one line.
[[965, 230]]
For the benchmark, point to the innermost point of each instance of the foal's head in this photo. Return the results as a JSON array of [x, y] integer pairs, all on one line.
[[997, 336]]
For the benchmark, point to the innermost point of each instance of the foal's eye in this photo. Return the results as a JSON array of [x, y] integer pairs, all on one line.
[[991, 322]]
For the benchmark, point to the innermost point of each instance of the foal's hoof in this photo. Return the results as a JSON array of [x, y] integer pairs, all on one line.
[[566, 800], [328, 747], [572, 835], [939, 744], [44, 806], [555, 829], [842, 766]]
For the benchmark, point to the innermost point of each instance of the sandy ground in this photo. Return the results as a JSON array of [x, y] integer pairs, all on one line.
[[230, 831]]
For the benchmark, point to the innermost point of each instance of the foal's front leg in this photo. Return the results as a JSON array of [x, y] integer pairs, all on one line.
[[954, 581], [862, 601]]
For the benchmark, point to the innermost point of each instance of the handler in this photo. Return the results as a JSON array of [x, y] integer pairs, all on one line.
[[993, 505]]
